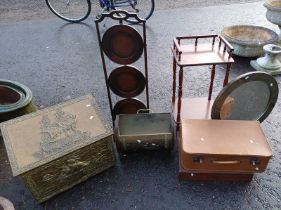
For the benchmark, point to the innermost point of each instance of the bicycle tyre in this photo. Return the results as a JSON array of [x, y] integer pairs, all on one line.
[[145, 7], [84, 15]]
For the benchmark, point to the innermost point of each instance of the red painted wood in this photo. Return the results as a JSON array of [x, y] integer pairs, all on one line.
[[212, 82], [180, 94], [174, 80], [228, 67], [202, 54], [218, 51]]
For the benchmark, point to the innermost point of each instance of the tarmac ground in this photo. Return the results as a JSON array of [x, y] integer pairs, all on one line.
[[36, 9], [59, 61]]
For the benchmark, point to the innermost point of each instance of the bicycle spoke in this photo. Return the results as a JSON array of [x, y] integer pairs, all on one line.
[[69, 9], [98, 7]]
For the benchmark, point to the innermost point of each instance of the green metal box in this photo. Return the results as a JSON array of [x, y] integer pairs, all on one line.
[[150, 131]]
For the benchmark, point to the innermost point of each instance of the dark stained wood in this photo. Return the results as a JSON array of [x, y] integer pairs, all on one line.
[[212, 81], [228, 67], [174, 80], [118, 50], [189, 175], [227, 44], [197, 36], [120, 16], [104, 71], [214, 40], [199, 54], [203, 54], [128, 106], [193, 108], [126, 81], [122, 44], [217, 52], [145, 63], [180, 94]]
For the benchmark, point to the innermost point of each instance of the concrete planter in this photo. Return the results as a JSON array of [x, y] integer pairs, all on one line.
[[247, 40], [273, 13], [269, 63], [15, 100]]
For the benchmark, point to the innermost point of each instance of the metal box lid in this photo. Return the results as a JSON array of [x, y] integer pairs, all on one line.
[[48, 134], [145, 124]]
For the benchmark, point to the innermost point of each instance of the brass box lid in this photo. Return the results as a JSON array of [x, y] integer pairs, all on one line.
[[48, 134]]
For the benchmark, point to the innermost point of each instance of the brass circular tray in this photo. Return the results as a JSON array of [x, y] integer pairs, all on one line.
[[251, 96], [128, 106], [122, 44], [126, 81]]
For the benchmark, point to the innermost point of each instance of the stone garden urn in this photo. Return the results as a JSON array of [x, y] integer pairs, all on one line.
[[248, 40], [273, 13], [269, 63]]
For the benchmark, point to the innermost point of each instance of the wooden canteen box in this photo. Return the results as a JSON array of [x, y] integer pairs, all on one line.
[[149, 131], [59, 147]]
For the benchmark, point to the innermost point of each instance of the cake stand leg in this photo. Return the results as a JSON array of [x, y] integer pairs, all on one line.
[[180, 95], [228, 67], [212, 82], [174, 81]]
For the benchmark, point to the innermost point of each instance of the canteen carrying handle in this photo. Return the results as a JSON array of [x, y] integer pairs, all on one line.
[[144, 111], [228, 162]]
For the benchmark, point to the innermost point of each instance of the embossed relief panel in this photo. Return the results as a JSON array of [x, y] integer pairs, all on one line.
[[39, 138], [61, 174]]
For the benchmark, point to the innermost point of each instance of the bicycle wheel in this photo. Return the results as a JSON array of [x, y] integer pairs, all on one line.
[[70, 10], [143, 8]]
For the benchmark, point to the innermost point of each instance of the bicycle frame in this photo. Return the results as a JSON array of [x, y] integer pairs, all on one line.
[[68, 13], [112, 4]]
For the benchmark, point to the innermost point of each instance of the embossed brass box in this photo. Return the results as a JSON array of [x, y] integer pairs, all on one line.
[[59, 147]]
